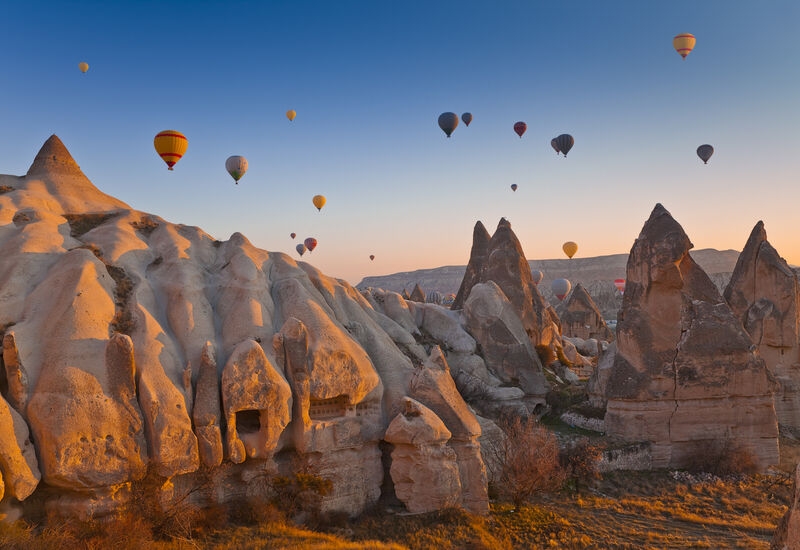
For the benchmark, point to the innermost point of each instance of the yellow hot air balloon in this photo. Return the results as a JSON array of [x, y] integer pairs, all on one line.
[[570, 248], [290, 114], [83, 66], [684, 43], [319, 201], [170, 145]]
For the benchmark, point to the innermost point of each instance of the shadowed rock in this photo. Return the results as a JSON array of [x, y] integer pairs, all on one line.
[[685, 376]]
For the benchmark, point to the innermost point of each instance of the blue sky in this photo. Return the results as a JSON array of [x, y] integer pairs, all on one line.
[[368, 80]]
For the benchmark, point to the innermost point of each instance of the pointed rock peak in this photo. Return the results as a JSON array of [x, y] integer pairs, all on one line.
[[504, 223], [757, 236], [54, 158], [479, 233], [662, 228], [417, 295]]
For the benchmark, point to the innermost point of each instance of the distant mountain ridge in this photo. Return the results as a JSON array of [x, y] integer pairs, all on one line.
[[596, 274]]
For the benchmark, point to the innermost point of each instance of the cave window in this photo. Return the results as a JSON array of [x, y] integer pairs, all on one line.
[[248, 421]]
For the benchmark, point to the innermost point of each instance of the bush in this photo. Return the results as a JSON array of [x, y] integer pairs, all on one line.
[[721, 457], [526, 461], [580, 460]]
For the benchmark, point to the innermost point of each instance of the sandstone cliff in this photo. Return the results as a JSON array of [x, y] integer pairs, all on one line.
[[134, 347], [685, 375]]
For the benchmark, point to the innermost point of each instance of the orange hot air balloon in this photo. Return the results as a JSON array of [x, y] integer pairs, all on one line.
[[372, 256], [620, 284], [170, 145], [293, 235], [570, 248], [319, 201], [83, 66], [311, 243], [684, 44], [290, 114]]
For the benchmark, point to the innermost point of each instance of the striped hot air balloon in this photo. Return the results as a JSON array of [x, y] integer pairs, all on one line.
[[170, 145], [684, 43]]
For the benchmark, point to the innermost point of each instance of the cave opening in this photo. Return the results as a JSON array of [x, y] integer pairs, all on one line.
[[248, 421]]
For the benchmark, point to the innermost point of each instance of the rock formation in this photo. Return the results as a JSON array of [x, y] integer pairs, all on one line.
[[787, 534], [502, 261], [764, 295], [580, 317], [138, 350], [685, 375]]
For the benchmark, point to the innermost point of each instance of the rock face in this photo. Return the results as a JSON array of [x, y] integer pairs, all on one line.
[[685, 375], [502, 261], [134, 346], [787, 534], [580, 317], [764, 295]]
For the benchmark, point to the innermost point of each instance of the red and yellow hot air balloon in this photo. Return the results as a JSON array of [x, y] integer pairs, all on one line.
[[170, 145], [290, 114], [620, 284], [570, 248], [319, 201], [684, 43], [311, 243]]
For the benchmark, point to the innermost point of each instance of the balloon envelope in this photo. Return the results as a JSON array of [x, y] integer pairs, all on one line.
[[513, 186], [448, 122], [83, 66], [684, 43], [467, 118], [537, 276], [570, 248], [293, 235], [620, 284], [372, 256], [520, 127], [561, 288], [290, 114], [564, 142], [311, 243], [705, 152], [236, 166], [554, 145], [301, 248], [319, 201], [170, 145]]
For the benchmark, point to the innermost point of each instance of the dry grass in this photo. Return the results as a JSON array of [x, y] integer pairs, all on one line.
[[623, 510]]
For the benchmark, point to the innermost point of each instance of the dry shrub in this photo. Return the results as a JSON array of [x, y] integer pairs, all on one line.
[[527, 461], [580, 459], [721, 457]]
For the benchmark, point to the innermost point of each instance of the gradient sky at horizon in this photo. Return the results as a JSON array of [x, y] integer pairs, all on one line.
[[368, 80]]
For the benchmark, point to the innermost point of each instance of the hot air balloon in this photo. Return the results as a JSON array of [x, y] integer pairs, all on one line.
[[311, 243], [236, 166], [684, 43], [372, 256], [301, 248], [293, 235], [448, 122], [170, 145], [561, 288], [467, 118], [564, 142], [554, 145], [83, 66], [520, 127], [513, 186], [620, 284], [570, 248], [290, 114], [537, 276], [319, 201], [705, 152]]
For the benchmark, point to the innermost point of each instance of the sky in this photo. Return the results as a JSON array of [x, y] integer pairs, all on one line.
[[368, 80]]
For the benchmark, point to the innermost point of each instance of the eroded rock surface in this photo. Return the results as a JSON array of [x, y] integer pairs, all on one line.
[[685, 375]]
